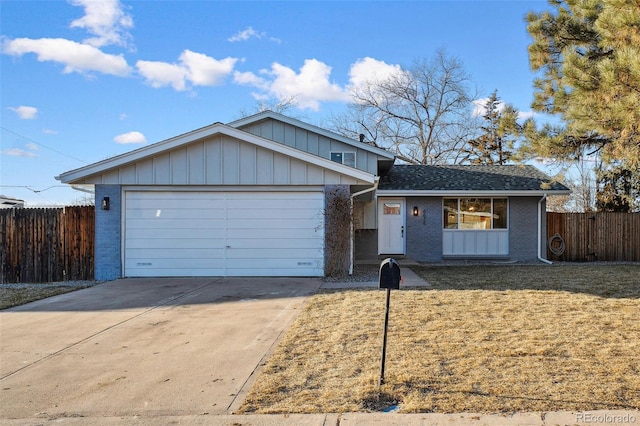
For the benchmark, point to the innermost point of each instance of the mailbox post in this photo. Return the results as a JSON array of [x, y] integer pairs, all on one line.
[[389, 278]]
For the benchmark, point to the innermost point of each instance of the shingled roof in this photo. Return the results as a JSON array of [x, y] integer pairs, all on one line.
[[481, 178]]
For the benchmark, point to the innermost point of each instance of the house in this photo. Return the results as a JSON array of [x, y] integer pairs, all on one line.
[[7, 202], [249, 198]]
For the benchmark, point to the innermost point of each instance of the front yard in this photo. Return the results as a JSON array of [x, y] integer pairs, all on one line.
[[493, 339]]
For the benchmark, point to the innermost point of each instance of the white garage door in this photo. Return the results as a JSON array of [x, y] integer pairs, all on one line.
[[223, 234]]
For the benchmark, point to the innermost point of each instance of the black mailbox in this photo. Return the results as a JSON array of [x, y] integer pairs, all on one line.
[[390, 274]]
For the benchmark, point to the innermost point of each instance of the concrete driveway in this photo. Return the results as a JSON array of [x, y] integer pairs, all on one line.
[[143, 347]]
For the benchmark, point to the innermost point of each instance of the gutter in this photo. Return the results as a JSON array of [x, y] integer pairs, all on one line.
[[540, 258], [352, 235]]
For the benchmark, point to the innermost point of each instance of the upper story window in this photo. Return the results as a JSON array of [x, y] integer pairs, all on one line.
[[346, 158], [475, 213]]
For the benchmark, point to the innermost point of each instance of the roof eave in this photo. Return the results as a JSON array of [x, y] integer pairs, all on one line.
[[467, 193]]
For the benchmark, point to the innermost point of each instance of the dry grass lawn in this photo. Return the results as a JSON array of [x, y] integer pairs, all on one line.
[[10, 297], [481, 339]]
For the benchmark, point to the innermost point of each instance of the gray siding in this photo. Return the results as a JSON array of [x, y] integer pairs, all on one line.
[[311, 142], [108, 243], [221, 160]]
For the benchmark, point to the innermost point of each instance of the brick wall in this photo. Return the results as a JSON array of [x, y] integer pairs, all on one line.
[[523, 228], [108, 245], [424, 232]]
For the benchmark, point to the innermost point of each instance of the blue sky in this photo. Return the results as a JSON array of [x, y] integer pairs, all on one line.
[[85, 80]]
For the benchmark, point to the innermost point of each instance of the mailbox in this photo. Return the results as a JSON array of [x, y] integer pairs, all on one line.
[[390, 274]]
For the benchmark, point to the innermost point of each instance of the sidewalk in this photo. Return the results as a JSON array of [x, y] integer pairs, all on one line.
[[409, 279], [601, 417]]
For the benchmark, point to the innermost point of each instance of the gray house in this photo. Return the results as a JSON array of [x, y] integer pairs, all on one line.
[[248, 198]]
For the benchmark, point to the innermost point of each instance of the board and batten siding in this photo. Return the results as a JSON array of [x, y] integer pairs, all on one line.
[[311, 142], [221, 160]]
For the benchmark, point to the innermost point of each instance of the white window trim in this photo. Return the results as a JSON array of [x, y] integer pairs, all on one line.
[[343, 153], [474, 230]]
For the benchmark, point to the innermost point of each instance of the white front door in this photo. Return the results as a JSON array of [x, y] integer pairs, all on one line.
[[391, 229]]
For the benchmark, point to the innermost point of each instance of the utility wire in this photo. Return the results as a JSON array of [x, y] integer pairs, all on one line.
[[42, 145]]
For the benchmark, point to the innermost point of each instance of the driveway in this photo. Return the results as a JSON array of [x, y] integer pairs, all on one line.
[[143, 347]]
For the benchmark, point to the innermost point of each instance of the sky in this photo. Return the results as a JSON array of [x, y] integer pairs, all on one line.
[[85, 80]]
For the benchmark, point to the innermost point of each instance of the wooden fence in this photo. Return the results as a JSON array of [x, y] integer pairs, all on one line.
[[47, 245], [594, 236]]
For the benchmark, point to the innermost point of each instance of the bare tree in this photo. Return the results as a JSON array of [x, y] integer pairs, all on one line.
[[422, 114], [282, 106]]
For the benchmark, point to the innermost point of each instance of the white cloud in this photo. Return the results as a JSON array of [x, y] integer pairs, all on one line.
[[49, 132], [245, 35], [131, 137], [311, 84], [525, 115], [159, 74], [308, 87], [76, 57], [17, 152], [195, 68], [25, 112], [249, 78], [368, 70], [480, 109], [106, 20], [32, 146], [204, 70]]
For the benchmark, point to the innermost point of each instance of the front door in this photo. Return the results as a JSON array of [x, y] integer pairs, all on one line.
[[391, 229]]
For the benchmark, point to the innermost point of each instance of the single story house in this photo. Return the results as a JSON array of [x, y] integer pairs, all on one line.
[[249, 198]]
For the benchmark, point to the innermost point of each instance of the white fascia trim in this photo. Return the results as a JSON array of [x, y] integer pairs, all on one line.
[[222, 188], [214, 129], [459, 193], [312, 128]]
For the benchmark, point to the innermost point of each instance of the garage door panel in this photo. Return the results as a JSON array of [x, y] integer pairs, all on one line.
[[176, 253], [265, 222], [309, 214], [186, 223], [235, 233], [272, 233], [268, 255], [261, 243], [173, 244], [195, 233], [173, 213]]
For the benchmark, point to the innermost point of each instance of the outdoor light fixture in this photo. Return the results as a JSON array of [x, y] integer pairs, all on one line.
[[415, 211], [105, 203]]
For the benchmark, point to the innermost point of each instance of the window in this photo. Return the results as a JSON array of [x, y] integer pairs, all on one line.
[[391, 208], [475, 213], [346, 158]]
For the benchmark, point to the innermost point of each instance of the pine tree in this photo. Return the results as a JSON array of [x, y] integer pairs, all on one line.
[[500, 129]]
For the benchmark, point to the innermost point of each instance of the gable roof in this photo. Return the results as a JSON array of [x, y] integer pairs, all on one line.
[[311, 128], [77, 175], [466, 179]]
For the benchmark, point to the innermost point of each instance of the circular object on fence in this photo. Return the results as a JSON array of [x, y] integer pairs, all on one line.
[[556, 245]]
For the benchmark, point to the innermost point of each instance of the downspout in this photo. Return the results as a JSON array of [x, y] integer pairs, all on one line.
[[352, 233], [540, 258]]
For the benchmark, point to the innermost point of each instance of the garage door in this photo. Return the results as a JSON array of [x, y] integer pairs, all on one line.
[[223, 234]]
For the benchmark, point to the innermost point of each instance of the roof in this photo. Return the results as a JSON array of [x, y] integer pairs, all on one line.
[[465, 179], [311, 128]]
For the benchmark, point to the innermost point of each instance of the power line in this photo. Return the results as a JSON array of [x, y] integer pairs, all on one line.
[[37, 191], [42, 145]]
